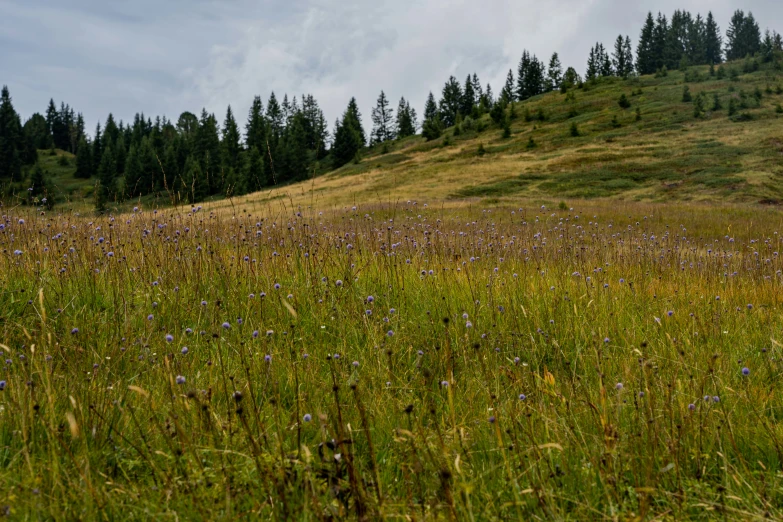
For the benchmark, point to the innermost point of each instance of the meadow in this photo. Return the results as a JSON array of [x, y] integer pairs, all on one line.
[[617, 361]]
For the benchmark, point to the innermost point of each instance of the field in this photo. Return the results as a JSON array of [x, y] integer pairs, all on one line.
[[613, 360]]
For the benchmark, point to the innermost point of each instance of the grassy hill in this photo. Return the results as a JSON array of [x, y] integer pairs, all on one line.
[[666, 153], [655, 150]]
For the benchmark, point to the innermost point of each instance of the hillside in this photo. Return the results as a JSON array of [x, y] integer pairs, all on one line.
[[665, 154], [654, 150]]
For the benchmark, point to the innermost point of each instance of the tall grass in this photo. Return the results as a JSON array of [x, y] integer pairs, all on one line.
[[392, 361]]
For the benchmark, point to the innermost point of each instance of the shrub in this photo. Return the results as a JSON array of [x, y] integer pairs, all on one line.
[[624, 102]]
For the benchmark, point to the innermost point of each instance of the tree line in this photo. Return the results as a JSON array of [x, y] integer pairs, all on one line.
[[284, 141]]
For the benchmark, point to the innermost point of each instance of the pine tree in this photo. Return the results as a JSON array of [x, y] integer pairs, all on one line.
[[430, 108], [450, 102], [106, 187], [507, 93], [660, 34], [52, 121], [743, 36], [382, 121], [522, 70], [621, 67], [534, 80], [645, 58], [97, 148], [349, 136], [11, 139], [696, 41], [593, 64], [84, 161], [36, 130], [767, 47], [133, 173], [554, 73], [253, 178], [571, 78], [231, 141], [406, 121], [628, 52], [468, 98], [120, 154], [207, 150]]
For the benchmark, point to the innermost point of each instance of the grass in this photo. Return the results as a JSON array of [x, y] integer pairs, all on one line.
[[514, 362]]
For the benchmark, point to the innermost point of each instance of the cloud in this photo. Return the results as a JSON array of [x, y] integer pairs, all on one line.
[[167, 57]]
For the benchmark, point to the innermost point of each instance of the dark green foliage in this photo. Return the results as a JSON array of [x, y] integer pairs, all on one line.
[[106, 186], [686, 94], [530, 77], [253, 178], [573, 130], [40, 190], [713, 41], [432, 128], [480, 151], [383, 127], [450, 102], [231, 145], [348, 136], [645, 51], [497, 113], [624, 102], [11, 140], [615, 123], [469, 97], [531, 143], [716, 103], [36, 130], [84, 161], [778, 108], [120, 153], [698, 106], [506, 128], [554, 73], [732, 106], [743, 37], [97, 148], [406, 119], [638, 114], [193, 186], [622, 57]]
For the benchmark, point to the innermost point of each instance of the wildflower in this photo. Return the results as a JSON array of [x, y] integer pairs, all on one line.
[[522, 396], [339, 282], [255, 334], [184, 350], [180, 379], [150, 317], [368, 312], [606, 339], [468, 325], [226, 326], [445, 384], [618, 386], [203, 303], [691, 406], [390, 333], [17, 252], [269, 333], [746, 371], [670, 313], [267, 358], [516, 360], [370, 299], [277, 286], [492, 419], [307, 417], [74, 331], [2, 385], [188, 331], [169, 338], [716, 399], [355, 364]]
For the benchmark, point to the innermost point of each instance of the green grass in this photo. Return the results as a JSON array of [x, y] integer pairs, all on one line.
[[429, 422]]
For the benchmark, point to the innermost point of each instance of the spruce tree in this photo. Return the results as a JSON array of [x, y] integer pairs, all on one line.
[[507, 94], [619, 58], [207, 149], [97, 148], [348, 136], [468, 97], [743, 36], [193, 185], [405, 123], [645, 58], [84, 160], [522, 71], [106, 187], [253, 178], [231, 141], [11, 139], [450, 102], [133, 173], [554, 73], [36, 130], [120, 154], [381, 116], [430, 108]]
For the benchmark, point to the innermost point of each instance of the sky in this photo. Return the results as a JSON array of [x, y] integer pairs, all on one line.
[[163, 57]]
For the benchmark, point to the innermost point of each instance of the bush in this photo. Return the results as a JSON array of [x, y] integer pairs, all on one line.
[[686, 94], [531, 143], [716, 104], [624, 102], [638, 114], [778, 109], [506, 129], [574, 130], [480, 151]]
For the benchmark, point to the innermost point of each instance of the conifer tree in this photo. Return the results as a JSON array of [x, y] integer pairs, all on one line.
[[207, 150], [253, 178], [468, 98], [84, 160], [106, 187], [42, 191], [36, 131], [507, 94], [231, 141], [97, 148], [522, 70], [193, 184], [554, 73], [620, 57], [11, 139], [713, 41], [348, 136], [743, 36], [406, 120], [450, 102], [382, 126], [430, 108], [120, 154], [645, 53]]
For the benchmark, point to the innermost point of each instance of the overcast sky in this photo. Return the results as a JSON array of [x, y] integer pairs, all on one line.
[[162, 57]]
